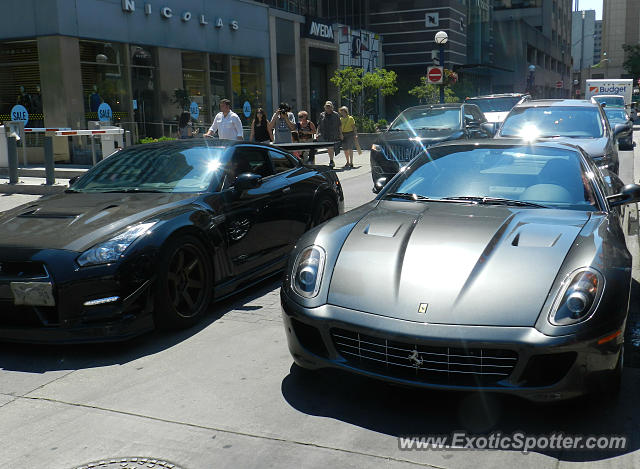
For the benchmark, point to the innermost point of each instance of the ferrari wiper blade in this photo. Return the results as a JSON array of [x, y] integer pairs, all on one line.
[[72, 191], [407, 196], [132, 189], [496, 201]]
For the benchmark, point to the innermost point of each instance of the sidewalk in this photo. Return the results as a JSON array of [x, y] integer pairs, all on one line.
[[361, 164]]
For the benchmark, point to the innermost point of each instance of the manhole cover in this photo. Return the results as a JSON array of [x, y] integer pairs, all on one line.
[[130, 463]]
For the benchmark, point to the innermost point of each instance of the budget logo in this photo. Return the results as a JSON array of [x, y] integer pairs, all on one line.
[[593, 89]]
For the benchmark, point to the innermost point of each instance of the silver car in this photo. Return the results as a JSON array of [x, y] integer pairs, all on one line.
[[493, 264]]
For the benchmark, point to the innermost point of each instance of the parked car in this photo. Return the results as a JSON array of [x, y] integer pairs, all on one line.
[[609, 100], [495, 265], [616, 116], [496, 106], [417, 128], [151, 235], [580, 122]]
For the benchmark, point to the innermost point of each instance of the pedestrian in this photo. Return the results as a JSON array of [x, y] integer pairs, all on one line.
[[306, 132], [349, 135], [226, 123], [260, 128], [283, 123], [329, 129], [185, 127]]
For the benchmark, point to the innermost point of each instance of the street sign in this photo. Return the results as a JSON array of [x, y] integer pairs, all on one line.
[[434, 75], [246, 109], [432, 20], [19, 113], [194, 110], [577, 92], [559, 84], [104, 112]]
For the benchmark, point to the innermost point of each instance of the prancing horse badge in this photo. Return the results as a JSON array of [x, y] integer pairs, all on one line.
[[423, 308]]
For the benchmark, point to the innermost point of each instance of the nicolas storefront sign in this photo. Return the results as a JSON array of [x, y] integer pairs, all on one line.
[[317, 28], [168, 13]]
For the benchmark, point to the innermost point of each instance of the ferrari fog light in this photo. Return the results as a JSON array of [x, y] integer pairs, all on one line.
[[101, 301], [111, 250], [577, 298], [307, 271]]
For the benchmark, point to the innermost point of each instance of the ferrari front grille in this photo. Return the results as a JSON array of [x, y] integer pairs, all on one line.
[[23, 270], [403, 153], [457, 366]]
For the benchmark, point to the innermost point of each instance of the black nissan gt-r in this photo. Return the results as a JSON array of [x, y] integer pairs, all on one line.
[[151, 235]]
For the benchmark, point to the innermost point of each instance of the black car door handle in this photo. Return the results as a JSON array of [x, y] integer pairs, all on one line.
[[286, 189]]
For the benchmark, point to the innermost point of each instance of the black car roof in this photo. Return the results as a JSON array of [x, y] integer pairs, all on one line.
[[500, 95], [436, 106], [508, 142], [199, 142], [558, 103]]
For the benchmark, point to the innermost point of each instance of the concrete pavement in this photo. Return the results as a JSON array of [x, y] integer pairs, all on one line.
[[225, 394]]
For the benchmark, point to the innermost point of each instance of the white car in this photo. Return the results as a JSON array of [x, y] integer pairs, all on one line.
[[495, 107]]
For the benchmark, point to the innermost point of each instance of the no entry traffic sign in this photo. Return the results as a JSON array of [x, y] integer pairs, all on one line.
[[434, 75]]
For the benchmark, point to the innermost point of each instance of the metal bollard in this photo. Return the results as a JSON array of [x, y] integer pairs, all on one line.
[[49, 164], [127, 138], [12, 156], [94, 158]]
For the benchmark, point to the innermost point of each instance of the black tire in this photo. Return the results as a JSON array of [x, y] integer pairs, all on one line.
[[184, 285], [324, 210]]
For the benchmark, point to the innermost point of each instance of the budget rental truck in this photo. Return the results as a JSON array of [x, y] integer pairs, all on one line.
[[622, 87]]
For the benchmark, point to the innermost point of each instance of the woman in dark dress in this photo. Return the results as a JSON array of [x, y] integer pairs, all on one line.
[[260, 131]]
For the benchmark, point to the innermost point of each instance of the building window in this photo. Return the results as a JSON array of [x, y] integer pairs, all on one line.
[[103, 66], [248, 84], [219, 77], [20, 80], [145, 104], [193, 77]]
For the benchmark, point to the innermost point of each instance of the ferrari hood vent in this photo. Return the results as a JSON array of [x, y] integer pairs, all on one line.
[[39, 213]]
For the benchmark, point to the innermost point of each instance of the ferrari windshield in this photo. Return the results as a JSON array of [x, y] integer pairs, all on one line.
[[535, 175], [428, 118], [165, 168], [553, 121], [616, 116], [503, 104]]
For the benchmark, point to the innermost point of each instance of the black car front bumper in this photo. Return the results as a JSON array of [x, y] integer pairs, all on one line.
[[513, 360], [69, 319]]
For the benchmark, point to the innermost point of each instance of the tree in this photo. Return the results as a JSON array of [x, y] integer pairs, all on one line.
[[360, 89], [429, 93], [632, 59]]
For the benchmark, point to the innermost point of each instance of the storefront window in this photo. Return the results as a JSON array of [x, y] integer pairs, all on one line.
[[193, 75], [248, 83], [218, 64], [104, 79], [143, 88], [20, 80]]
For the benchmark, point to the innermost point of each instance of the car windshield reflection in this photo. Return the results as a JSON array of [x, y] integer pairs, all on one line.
[[494, 104], [556, 121], [156, 169], [522, 176], [428, 119]]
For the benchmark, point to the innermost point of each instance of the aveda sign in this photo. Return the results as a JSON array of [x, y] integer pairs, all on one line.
[[316, 28]]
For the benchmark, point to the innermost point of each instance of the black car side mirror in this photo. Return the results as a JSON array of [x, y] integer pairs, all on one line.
[[247, 181], [619, 128], [380, 183], [73, 180], [490, 127], [628, 195]]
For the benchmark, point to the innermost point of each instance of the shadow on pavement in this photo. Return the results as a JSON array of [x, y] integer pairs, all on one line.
[[38, 358]]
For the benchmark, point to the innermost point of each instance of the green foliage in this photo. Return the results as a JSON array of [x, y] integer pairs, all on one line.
[[382, 123], [360, 89], [428, 93], [155, 140], [632, 59], [365, 124]]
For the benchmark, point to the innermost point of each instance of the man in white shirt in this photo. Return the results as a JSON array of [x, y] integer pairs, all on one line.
[[226, 122]]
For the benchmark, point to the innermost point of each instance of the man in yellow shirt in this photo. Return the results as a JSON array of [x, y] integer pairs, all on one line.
[[349, 135]]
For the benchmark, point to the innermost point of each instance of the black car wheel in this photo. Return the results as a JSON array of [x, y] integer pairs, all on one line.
[[324, 210], [184, 283]]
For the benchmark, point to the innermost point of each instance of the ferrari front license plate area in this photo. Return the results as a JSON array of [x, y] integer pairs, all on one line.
[[33, 293]]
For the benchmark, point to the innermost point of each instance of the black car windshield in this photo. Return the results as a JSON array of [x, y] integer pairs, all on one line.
[[617, 101], [162, 168], [616, 116], [503, 104], [515, 175], [429, 118], [553, 121]]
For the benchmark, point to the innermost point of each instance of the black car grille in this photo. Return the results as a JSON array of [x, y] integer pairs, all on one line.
[[428, 364], [22, 270], [12, 315], [403, 153]]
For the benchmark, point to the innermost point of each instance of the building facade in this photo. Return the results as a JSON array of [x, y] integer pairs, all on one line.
[[583, 36], [597, 42], [620, 26]]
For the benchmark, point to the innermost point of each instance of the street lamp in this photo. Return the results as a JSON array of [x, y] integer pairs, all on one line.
[[441, 39], [531, 80]]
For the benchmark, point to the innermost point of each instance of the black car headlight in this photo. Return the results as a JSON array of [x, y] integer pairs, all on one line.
[[307, 271], [577, 298], [111, 250]]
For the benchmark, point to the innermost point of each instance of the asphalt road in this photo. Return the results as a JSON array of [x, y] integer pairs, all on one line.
[[225, 394]]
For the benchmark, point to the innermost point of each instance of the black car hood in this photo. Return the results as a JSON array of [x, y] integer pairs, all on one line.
[[78, 221], [594, 147]]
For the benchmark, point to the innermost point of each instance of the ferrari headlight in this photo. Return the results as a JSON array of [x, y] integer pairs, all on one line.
[[577, 298], [110, 251], [307, 271]]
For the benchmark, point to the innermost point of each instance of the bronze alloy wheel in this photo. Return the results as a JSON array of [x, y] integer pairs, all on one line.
[[185, 283]]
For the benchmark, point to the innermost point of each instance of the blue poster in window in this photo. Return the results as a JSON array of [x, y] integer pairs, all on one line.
[[20, 113], [104, 112], [246, 109], [194, 110]]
